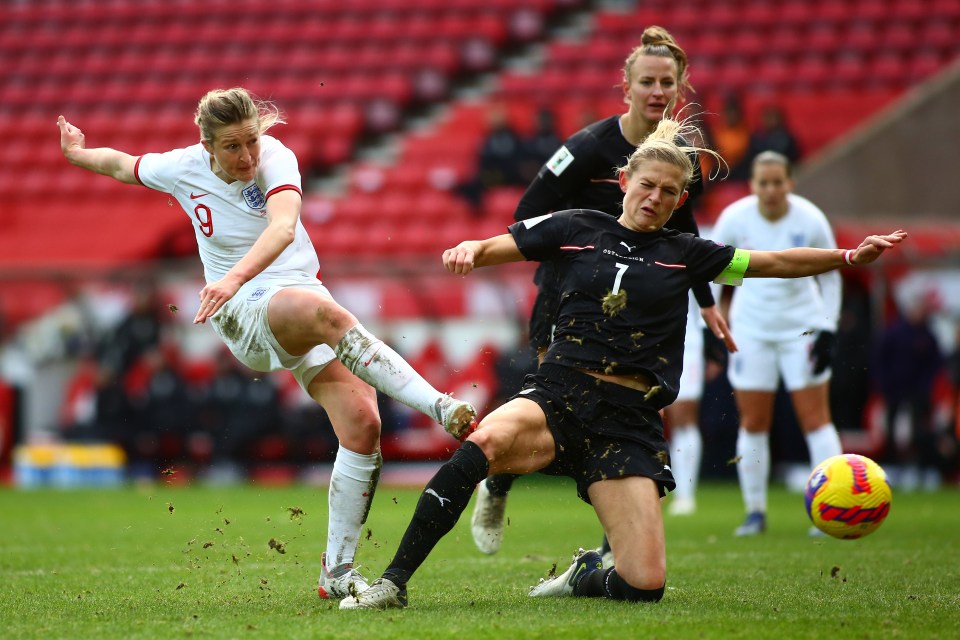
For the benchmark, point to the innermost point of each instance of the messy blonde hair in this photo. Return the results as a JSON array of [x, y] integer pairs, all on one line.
[[222, 107], [657, 41], [668, 144]]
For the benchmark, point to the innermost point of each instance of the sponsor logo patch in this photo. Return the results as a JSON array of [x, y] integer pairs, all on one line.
[[254, 197], [257, 294], [560, 161], [532, 222]]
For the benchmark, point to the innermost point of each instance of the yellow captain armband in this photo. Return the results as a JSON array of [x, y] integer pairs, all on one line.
[[733, 274]]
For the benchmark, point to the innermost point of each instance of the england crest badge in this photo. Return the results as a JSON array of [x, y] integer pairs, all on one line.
[[254, 197]]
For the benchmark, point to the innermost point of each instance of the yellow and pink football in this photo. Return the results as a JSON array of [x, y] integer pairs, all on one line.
[[848, 496]]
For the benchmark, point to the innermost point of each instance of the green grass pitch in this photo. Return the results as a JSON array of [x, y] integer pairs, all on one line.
[[241, 562]]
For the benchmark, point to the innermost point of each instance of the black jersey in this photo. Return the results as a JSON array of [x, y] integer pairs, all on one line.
[[582, 174], [623, 294]]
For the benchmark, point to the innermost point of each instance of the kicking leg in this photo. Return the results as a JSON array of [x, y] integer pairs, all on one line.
[[302, 319]]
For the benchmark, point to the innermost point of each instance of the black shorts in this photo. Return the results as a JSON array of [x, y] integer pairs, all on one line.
[[602, 430]]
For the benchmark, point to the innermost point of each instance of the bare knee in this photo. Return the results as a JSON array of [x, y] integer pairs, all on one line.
[[356, 422], [361, 435], [493, 442]]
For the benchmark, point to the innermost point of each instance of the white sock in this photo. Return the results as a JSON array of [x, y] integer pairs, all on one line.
[[823, 443], [686, 448], [753, 469], [352, 485], [368, 358]]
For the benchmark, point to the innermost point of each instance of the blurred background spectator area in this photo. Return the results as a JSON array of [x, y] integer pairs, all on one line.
[[388, 104]]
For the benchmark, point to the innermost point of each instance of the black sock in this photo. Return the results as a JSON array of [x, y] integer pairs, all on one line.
[[609, 584], [499, 485], [441, 503]]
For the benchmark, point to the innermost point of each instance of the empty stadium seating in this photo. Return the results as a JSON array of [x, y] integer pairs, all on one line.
[[129, 73]]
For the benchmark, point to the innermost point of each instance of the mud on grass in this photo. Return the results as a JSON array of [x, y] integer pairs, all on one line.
[[122, 564]]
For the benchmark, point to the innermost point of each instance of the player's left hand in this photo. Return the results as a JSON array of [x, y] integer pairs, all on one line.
[[717, 325], [213, 297], [823, 352]]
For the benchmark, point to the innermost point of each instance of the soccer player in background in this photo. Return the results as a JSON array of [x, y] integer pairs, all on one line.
[[591, 412], [241, 190], [784, 328], [583, 174]]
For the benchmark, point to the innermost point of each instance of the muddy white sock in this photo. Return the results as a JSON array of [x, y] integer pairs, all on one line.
[[368, 358], [352, 485]]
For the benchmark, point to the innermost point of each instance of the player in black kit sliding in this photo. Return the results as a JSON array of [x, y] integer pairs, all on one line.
[[591, 412]]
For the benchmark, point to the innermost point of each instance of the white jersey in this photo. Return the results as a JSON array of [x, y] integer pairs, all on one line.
[[780, 308], [228, 218]]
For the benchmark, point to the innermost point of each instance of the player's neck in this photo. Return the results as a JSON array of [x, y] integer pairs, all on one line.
[[776, 213], [635, 129], [219, 172]]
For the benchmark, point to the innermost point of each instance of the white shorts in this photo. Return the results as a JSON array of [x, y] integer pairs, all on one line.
[[243, 326], [758, 364], [691, 380]]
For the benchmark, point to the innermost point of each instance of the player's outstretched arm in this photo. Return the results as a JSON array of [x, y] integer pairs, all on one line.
[[105, 161], [471, 254], [807, 261]]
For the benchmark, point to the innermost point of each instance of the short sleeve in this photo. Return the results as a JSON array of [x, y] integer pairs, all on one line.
[[279, 168], [540, 238], [160, 171], [706, 259]]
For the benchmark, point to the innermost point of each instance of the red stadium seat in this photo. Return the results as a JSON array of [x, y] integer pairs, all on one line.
[[849, 72], [923, 65], [887, 70], [811, 73], [500, 203], [130, 73], [773, 72]]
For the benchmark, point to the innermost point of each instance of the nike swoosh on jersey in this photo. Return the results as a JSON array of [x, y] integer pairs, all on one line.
[[198, 195]]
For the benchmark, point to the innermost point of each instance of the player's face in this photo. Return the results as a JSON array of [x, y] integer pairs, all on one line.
[[770, 183], [652, 89], [651, 194], [236, 151]]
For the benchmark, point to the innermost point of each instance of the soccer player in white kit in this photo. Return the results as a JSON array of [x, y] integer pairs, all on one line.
[[783, 327], [241, 190], [683, 416]]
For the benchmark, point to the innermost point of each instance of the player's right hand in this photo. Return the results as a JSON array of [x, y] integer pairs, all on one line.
[[71, 138], [460, 259]]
